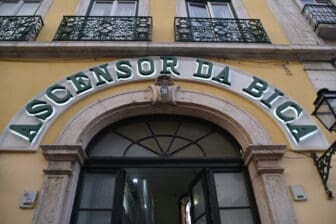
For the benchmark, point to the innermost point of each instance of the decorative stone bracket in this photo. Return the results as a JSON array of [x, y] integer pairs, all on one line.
[[164, 90]]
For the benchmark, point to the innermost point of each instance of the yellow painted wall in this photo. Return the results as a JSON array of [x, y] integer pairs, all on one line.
[[23, 171], [19, 172], [163, 13], [258, 9], [58, 9]]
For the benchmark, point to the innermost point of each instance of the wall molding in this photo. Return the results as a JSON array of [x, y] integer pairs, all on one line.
[[89, 49]]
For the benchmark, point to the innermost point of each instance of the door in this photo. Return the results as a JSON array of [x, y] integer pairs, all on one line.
[[233, 201], [222, 197], [199, 194], [98, 200]]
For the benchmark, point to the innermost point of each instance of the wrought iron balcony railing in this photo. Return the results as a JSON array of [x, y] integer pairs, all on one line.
[[20, 28], [220, 30], [320, 14], [104, 28]]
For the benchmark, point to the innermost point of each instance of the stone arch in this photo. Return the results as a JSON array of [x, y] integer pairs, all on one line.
[[240, 124]]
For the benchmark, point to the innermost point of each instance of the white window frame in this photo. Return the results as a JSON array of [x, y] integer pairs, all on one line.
[[83, 6], [41, 10], [209, 8], [227, 4], [114, 6], [20, 4], [237, 5]]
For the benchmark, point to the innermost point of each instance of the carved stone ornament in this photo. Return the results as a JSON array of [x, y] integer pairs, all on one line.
[[164, 90]]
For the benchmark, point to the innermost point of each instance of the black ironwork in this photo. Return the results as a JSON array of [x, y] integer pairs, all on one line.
[[104, 28], [20, 28], [220, 30], [320, 14], [323, 166]]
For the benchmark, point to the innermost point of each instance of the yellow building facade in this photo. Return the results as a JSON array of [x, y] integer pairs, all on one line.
[[248, 70]]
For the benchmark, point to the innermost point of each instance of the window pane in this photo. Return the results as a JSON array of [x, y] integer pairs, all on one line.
[[28, 9], [145, 136], [221, 10], [198, 200], [135, 131], [218, 145], [139, 151], [94, 217], [163, 127], [192, 131], [101, 8], [7, 9], [197, 10], [152, 144], [97, 190], [164, 143], [110, 145], [202, 220], [178, 143], [190, 151], [231, 190], [125, 9], [236, 216]]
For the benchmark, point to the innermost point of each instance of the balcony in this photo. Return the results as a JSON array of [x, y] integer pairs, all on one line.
[[20, 28], [104, 28], [219, 30], [323, 19]]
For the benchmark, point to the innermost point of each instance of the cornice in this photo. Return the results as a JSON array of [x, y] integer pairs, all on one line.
[[89, 49]]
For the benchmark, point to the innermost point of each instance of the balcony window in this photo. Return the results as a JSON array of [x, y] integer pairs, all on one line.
[[19, 8], [106, 20], [19, 20], [113, 8], [216, 21], [321, 14], [210, 9]]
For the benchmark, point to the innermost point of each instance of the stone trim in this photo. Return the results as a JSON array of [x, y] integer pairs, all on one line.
[[89, 49], [95, 117], [239, 8], [64, 153], [295, 25], [269, 185], [265, 157], [322, 75], [60, 183], [44, 7]]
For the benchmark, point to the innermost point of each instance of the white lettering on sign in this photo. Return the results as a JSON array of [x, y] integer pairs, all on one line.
[[29, 125]]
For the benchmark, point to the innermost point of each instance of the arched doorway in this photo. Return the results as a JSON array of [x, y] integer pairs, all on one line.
[[139, 169], [67, 155]]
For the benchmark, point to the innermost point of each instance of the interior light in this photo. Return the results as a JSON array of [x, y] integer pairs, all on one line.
[[195, 200], [135, 180]]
